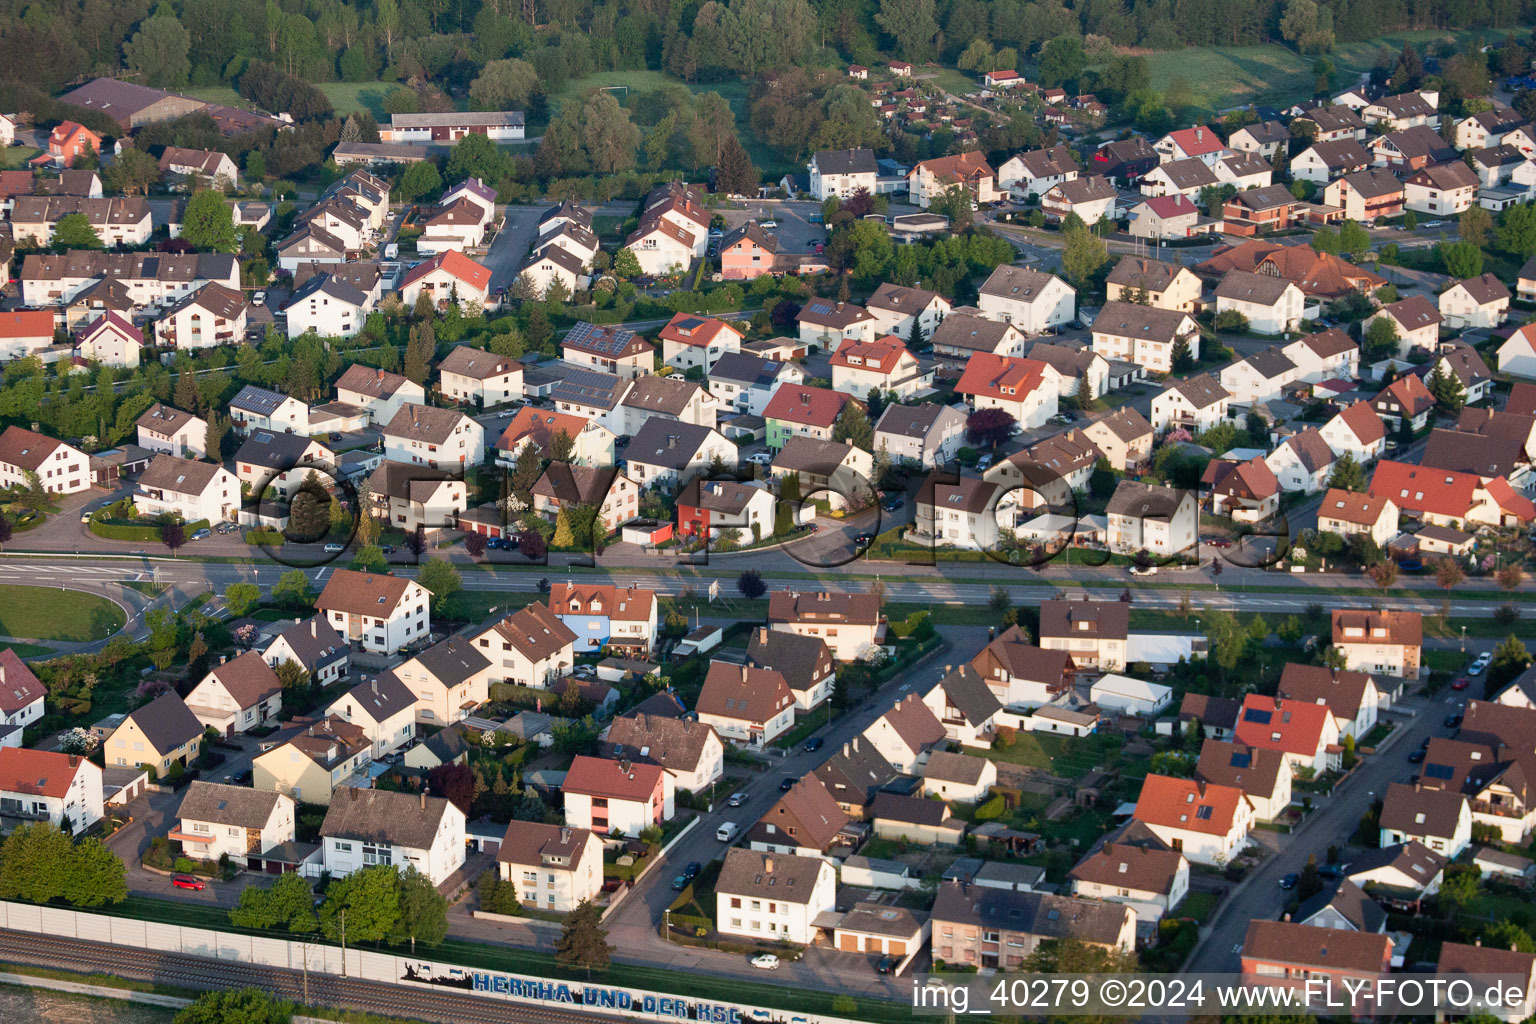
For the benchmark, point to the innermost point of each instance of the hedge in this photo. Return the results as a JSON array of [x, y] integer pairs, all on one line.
[[125, 529]]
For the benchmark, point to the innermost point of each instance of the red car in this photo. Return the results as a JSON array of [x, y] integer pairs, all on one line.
[[188, 882], [1460, 684]]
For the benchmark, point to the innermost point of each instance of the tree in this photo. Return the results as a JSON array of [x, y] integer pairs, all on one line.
[[1508, 935], [1381, 336], [1516, 233], [563, 446], [288, 903], [1473, 226], [173, 536], [1510, 658], [423, 910], [1061, 61], [132, 172], [365, 903], [593, 136], [292, 590], [370, 558], [1450, 394], [236, 1006], [626, 265], [1458, 889], [1383, 574], [159, 51], [526, 470], [584, 942], [291, 675], [1460, 259], [209, 223], [1353, 239], [750, 585], [1183, 358], [420, 179], [1082, 256], [853, 426], [440, 578], [1510, 577], [737, 176], [1448, 574], [1347, 475], [496, 896], [33, 863], [241, 598], [505, 85], [988, 428], [74, 231], [913, 25]]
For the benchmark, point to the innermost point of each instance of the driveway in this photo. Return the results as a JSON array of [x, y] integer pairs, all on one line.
[[510, 246]]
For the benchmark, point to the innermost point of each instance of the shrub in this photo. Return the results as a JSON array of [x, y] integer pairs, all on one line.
[[991, 809]]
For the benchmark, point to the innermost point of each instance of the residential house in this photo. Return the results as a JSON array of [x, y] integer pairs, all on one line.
[[744, 382], [1027, 389], [1487, 127], [25, 332], [1186, 178], [480, 378], [1408, 150], [449, 680], [960, 778], [1124, 437], [380, 613], [212, 315], [374, 826], [194, 491], [1093, 633], [1257, 211], [1207, 822], [1022, 675], [1481, 301], [854, 774], [1150, 518], [963, 334], [1302, 462], [1347, 514], [1168, 216], [1146, 335], [1398, 874], [986, 927], [883, 365], [1404, 398], [384, 707], [1461, 361], [1262, 138], [667, 453], [905, 734], [1305, 733], [691, 750], [965, 705], [830, 323], [216, 821], [708, 508], [116, 221], [1260, 377], [157, 734], [58, 468], [417, 498], [1449, 498], [1187, 143], [379, 393], [461, 219], [1439, 818], [1136, 279], [1263, 774], [1365, 195], [310, 759], [745, 704], [1270, 304], [21, 698], [773, 896], [842, 172], [661, 246], [553, 867], [1148, 877], [689, 341], [1029, 299], [1037, 171], [1403, 111], [45, 785], [1517, 354], [550, 264], [1092, 199], [1125, 160], [748, 252], [1441, 189], [310, 244], [1457, 958], [110, 340], [1379, 642], [255, 408], [1290, 955], [896, 308], [1195, 404], [425, 435], [277, 464], [529, 647], [805, 662], [604, 616], [609, 349], [968, 171], [1247, 492], [237, 695], [1416, 321], [447, 277], [850, 623], [1344, 906], [616, 797], [928, 434], [802, 411], [1356, 430], [614, 497]]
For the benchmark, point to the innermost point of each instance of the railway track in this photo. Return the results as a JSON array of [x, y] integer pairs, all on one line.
[[192, 972]]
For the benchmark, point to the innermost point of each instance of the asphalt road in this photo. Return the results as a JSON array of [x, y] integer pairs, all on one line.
[[1260, 897]]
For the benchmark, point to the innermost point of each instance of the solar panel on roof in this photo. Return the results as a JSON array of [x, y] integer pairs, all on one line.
[[604, 340], [1259, 715], [1242, 760], [1438, 771]]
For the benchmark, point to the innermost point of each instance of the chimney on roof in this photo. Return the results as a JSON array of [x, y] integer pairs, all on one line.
[[221, 659], [423, 799], [375, 684], [1109, 847], [74, 760], [1477, 941], [671, 440], [352, 793], [768, 865], [1286, 919], [855, 744], [314, 629], [565, 835]]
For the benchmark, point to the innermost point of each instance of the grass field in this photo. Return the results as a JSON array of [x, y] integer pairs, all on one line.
[[28, 650], [40, 613], [1221, 77], [346, 97], [16, 156]]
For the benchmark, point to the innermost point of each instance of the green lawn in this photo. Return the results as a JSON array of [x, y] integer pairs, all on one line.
[[42, 613], [346, 97], [28, 650], [12, 157], [1221, 77]]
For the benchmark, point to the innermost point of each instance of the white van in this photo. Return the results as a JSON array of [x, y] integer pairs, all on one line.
[[392, 251], [725, 833]]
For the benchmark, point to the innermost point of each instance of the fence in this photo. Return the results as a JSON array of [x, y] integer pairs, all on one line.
[[387, 968]]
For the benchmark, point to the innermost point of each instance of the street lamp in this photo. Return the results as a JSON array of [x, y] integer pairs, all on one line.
[[1463, 639]]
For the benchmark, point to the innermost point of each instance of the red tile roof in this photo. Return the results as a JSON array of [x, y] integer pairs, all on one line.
[[1172, 206], [36, 772], [596, 776], [801, 403], [1364, 423], [695, 330], [455, 264], [26, 323], [1274, 723], [1187, 804], [882, 355], [1006, 378], [1442, 492], [1197, 141]]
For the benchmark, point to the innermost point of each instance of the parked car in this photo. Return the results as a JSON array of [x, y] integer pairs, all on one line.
[[1289, 881], [202, 534], [1417, 756], [726, 832], [769, 225], [691, 871], [1217, 542], [887, 964], [1461, 683], [894, 504], [259, 299], [1143, 570], [788, 784], [760, 459], [1453, 721], [737, 799], [864, 538], [1479, 664], [814, 743], [1331, 872], [188, 882], [680, 883], [766, 962]]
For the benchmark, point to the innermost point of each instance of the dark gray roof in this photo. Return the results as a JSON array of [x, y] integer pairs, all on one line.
[[380, 816], [801, 660], [1134, 498], [258, 400], [846, 161], [166, 722], [969, 694], [1035, 913], [453, 661], [745, 368], [855, 772], [667, 443], [383, 697], [272, 449], [325, 284], [239, 806], [316, 643], [1350, 901], [782, 877]]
